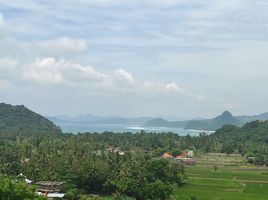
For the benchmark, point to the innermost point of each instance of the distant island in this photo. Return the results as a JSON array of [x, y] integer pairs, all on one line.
[[226, 118]]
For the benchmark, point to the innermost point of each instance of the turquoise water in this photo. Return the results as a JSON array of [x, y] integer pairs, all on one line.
[[99, 128]]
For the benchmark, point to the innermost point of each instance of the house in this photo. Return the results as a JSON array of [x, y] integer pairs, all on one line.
[[184, 154], [50, 189], [167, 155], [186, 157], [179, 157], [190, 153]]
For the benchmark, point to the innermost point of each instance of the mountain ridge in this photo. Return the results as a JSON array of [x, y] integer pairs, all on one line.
[[226, 118]]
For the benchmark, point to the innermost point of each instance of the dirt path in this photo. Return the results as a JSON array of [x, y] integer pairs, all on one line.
[[236, 180]]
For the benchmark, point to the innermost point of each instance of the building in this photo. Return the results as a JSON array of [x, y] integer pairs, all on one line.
[[167, 155], [190, 153], [186, 157], [50, 189], [23, 178]]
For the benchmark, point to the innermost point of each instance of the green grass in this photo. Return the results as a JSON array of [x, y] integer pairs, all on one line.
[[228, 183], [216, 193]]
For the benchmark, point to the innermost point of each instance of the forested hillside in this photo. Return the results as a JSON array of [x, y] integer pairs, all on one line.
[[250, 138], [19, 119]]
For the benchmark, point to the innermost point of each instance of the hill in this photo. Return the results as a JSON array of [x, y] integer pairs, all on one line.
[[19, 119], [208, 124], [204, 124], [215, 123], [159, 122], [246, 118], [255, 131]]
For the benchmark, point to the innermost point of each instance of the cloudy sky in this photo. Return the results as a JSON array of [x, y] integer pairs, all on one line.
[[176, 58]]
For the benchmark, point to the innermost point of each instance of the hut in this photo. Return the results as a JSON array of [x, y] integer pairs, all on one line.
[[50, 189]]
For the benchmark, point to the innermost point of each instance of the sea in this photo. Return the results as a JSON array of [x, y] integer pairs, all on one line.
[[99, 128]]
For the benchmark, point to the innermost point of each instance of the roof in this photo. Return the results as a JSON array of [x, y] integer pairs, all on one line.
[[167, 155], [28, 181], [178, 157], [50, 183]]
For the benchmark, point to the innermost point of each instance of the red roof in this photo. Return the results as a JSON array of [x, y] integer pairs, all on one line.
[[178, 157], [167, 155]]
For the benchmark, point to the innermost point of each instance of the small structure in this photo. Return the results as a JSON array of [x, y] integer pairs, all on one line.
[[23, 178], [50, 189], [186, 157], [190, 153], [179, 157], [187, 153], [116, 150], [167, 155]]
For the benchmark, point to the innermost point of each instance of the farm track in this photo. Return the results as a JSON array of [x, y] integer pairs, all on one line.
[[236, 180]]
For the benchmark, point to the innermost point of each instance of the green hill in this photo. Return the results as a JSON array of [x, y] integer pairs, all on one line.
[[215, 123], [256, 132], [19, 119]]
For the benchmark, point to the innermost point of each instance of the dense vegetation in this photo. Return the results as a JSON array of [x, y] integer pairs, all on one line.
[[87, 165], [21, 120], [11, 190], [250, 140]]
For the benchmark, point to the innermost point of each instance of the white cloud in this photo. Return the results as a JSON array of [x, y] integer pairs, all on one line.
[[173, 86], [52, 71], [123, 75], [44, 71], [61, 45]]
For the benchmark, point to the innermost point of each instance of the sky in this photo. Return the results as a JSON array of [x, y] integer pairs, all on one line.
[[172, 58]]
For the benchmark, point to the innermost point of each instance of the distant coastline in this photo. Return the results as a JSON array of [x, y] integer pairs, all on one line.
[[121, 128]]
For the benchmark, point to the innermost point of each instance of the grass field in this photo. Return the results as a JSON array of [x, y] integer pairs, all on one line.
[[232, 180]]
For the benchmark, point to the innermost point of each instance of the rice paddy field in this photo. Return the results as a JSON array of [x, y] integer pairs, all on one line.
[[223, 177]]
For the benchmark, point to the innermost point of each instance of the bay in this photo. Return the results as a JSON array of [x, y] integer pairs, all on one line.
[[118, 128]]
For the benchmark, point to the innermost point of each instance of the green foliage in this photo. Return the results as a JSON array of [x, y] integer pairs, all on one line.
[[20, 120], [72, 194], [145, 179], [215, 167], [11, 190], [87, 165], [251, 140]]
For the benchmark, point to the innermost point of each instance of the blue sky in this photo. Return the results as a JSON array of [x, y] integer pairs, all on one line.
[[177, 58]]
